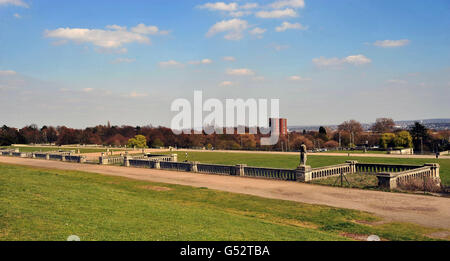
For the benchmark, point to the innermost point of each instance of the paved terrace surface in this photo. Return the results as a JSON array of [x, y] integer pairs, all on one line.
[[420, 209]]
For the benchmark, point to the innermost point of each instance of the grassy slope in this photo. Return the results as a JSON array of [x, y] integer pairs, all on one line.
[[45, 204], [291, 161]]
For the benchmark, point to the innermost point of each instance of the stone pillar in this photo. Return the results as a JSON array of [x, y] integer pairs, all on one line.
[[47, 156], [103, 160], [63, 157], [385, 180], [434, 170], [240, 170], [194, 167], [157, 164], [126, 161], [174, 157], [352, 164], [303, 173], [33, 155]]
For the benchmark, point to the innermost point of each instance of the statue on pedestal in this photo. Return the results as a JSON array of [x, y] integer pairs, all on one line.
[[303, 156]]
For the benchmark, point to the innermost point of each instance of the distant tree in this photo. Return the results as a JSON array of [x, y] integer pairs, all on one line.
[[322, 130], [403, 139], [351, 126], [139, 141], [297, 142], [331, 144], [157, 143], [387, 140], [323, 135], [383, 125], [419, 134]]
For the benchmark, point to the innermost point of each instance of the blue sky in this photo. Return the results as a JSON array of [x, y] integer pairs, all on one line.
[[81, 63]]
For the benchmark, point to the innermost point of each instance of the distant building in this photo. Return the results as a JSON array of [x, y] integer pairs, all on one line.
[[280, 124]]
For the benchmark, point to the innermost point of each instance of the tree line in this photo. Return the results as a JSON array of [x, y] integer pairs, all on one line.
[[349, 134]]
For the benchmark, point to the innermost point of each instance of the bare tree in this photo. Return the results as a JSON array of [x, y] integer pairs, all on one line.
[[383, 125]]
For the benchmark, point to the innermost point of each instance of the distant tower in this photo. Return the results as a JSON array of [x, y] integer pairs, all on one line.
[[280, 124], [109, 124]]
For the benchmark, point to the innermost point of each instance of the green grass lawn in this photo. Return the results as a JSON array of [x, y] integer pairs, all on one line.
[[47, 204], [291, 161]]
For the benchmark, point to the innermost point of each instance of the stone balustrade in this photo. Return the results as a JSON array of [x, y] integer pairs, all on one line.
[[178, 166], [378, 167], [332, 171], [270, 173], [141, 163], [217, 169], [389, 175], [391, 180]]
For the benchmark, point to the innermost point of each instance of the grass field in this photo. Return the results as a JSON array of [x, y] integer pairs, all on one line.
[[291, 161], [46, 204]]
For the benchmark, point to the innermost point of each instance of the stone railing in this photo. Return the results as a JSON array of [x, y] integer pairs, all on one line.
[[141, 163], [390, 180], [63, 156], [270, 173], [178, 166], [332, 171], [377, 168], [104, 160], [217, 169]]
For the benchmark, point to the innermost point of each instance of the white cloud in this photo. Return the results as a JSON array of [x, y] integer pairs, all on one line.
[[87, 89], [226, 83], [219, 6], [357, 59], [249, 6], [392, 43], [98, 37], [147, 29], [170, 63], [288, 3], [240, 72], [116, 27], [14, 2], [288, 12], [298, 78], [16, 15], [286, 25], [234, 27], [239, 13], [114, 37], [258, 32], [204, 61], [332, 62], [229, 58], [123, 60], [7, 73]]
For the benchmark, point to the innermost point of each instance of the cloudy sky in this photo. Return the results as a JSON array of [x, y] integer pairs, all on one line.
[[82, 63]]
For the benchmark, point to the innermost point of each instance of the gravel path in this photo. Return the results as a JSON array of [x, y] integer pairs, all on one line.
[[424, 210]]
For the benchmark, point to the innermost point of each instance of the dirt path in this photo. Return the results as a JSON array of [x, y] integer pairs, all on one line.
[[424, 210]]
